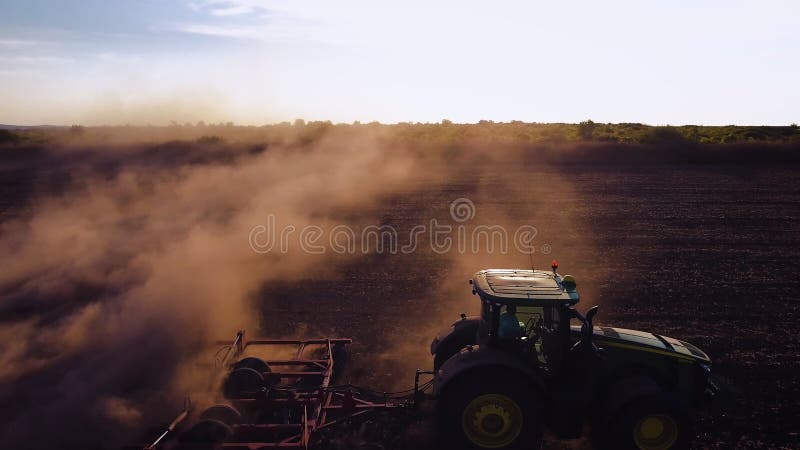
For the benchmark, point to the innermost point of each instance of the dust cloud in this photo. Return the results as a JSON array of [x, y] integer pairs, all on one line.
[[130, 257], [130, 252]]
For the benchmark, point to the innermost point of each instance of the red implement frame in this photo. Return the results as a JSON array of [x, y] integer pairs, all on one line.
[[321, 405]]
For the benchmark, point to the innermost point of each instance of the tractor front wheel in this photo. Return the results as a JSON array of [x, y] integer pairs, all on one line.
[[490, 411], [653, 422]]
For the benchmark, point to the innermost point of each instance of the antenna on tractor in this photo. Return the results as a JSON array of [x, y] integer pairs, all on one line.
[[531, 256]]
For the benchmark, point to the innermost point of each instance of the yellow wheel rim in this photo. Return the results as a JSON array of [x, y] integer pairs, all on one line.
[[492, 421], [655, 432]]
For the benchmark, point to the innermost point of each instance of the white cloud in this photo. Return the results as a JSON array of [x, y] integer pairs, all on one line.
[[228, 31], [19, 43], [223, 8], [35, 60], [232, 10]]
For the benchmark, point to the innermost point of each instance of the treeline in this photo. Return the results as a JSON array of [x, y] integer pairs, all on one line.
[[302, 132]]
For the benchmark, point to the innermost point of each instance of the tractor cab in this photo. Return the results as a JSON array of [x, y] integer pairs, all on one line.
[[542, 304]]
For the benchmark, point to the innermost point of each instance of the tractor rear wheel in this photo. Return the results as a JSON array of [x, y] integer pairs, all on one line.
[[653, 422], [440, 357], [490, 410]]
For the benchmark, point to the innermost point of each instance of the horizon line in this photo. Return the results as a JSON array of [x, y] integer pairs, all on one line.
[[202, 123]]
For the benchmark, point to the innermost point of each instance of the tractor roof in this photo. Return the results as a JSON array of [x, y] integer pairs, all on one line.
[[525, 287]]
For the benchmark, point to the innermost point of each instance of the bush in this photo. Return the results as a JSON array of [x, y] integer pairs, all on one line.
[[8, 136], [586, 130], [664, 135], [209, 140]]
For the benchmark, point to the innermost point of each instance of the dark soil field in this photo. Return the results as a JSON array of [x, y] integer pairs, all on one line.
[[704, 252], [701, 244]]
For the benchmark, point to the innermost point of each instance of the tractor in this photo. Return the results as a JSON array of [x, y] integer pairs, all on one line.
[[630, 389], [499, 380]]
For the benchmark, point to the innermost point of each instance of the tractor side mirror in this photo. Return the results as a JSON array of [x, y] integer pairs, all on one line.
[[591, 313], [587, 331]]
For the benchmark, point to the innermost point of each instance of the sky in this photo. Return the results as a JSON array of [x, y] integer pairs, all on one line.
[[107, 62]]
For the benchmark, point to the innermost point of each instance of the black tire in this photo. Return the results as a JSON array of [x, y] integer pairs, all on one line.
[[226, 414], [206, 431], [446, 351], [488, 393], [440, 357], [252, 363], [653, 422], [244, 382]]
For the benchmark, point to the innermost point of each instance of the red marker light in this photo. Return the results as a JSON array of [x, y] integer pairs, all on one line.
[[555, 264]]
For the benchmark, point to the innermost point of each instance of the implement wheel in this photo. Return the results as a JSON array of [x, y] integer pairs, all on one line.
[[256, 364], [244, 382], [206, 431], [226, 414], [653, 422], [490, 410]]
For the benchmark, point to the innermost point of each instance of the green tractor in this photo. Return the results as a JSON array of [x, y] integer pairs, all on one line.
[[500, 386]]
